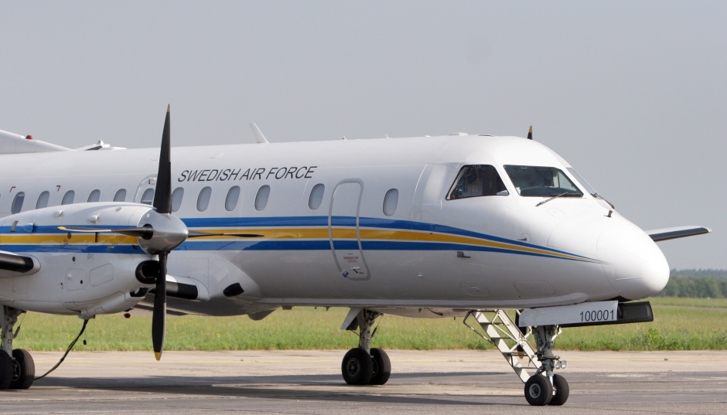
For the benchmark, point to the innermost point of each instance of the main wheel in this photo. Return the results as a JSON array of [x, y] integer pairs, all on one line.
[[382, 367], [561, 390], [6, 370], [357, 367], [538, 390], [23, 369]]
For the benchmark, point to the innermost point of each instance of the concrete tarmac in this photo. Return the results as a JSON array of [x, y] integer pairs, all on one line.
[[422, 382]]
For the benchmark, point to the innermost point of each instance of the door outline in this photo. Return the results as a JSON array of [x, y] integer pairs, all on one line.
[[350, 276], [149, 182]]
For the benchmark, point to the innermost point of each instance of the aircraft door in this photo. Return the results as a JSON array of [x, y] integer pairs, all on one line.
[[145, 191], [344, 232]]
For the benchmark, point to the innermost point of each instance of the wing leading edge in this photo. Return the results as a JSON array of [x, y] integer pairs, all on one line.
[[666, 234]]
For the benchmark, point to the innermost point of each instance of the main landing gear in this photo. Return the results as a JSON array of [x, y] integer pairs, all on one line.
[[17, 369], [542, 388], [364, 365]]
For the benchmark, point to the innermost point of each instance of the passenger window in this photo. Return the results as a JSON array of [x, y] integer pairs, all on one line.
[[95, 196], [42, 200], [261, 200], [177, 196], [148, 197], [477, 180], [390, 201], [120, 196], [68, 197], [17, 203], [316, 196], [204, 199], [232, 197]]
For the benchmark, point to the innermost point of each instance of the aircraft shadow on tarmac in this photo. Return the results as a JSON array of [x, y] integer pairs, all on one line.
[[312, 387]]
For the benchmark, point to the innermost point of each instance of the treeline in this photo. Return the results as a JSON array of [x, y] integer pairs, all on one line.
[[696, 283]]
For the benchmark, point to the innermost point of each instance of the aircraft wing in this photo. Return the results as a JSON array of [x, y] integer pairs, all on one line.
[[11, 143], [665, 234]]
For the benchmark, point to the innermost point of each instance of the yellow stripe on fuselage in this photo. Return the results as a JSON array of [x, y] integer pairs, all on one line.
[[72, 238], [287, 234], [386, 235]]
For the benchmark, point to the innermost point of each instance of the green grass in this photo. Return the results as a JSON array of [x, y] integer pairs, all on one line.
[[680, 324]]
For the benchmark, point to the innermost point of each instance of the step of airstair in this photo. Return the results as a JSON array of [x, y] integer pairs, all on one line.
[[500, 330]]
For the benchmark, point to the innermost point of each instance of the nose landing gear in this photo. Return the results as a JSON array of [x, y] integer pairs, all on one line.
[[542, 388], [554, 387], [364, 365]]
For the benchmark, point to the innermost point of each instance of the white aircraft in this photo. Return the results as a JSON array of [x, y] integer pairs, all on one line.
[[460, 225]]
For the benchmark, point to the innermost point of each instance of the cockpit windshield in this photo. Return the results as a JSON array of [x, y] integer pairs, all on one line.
[[477, 180], [582, 181], [587, 186], [534, 181]]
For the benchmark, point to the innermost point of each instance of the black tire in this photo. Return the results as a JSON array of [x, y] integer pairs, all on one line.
[[6, 370], [538, 390], [561, 390], [23, 369], [357, 367], [382, 367]]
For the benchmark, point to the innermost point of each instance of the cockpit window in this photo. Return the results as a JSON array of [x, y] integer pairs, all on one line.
[[587, 186], [533, 181], [582, 181], [477, 180]]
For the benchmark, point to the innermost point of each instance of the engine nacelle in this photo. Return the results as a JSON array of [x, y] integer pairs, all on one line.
[[73, 273]]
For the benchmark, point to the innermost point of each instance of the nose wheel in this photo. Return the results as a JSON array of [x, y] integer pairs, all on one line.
[[538, 391], [561, 391]]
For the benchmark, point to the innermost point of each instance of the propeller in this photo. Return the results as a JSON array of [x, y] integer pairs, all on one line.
[[530, 133], [160, 232], [163, 205]]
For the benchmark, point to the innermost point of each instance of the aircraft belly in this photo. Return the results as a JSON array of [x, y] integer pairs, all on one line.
[[430, 278]]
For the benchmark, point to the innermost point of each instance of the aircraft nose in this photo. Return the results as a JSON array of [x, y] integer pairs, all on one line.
[[635, 266]]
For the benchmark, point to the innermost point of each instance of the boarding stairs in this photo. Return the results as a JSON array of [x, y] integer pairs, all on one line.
[[498, 328]]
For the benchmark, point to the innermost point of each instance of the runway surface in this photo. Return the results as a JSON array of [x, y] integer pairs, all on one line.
[[423, 382]]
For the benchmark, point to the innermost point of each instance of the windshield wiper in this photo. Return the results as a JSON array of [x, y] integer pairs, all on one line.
[[567, 194]]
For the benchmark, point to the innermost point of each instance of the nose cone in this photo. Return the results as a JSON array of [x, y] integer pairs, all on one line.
[[635, 266]]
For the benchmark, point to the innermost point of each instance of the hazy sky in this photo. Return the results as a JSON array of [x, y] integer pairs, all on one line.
[[633, 94]]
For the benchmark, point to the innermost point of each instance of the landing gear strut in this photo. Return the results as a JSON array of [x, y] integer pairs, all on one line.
[[364, 365], [17, 369]]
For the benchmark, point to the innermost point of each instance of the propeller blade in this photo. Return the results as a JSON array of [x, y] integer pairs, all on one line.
[[159, 316], [200, 234], [530, 133], [145, 232], [163, 193]]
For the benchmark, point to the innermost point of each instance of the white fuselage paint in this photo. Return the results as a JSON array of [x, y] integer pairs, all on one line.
[[347, 251]]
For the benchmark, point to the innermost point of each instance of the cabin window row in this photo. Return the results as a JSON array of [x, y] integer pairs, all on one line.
[[315, 198], [68, 198]]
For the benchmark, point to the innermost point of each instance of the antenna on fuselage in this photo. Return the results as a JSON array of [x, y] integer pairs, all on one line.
[[259, 137], [530, 133]]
